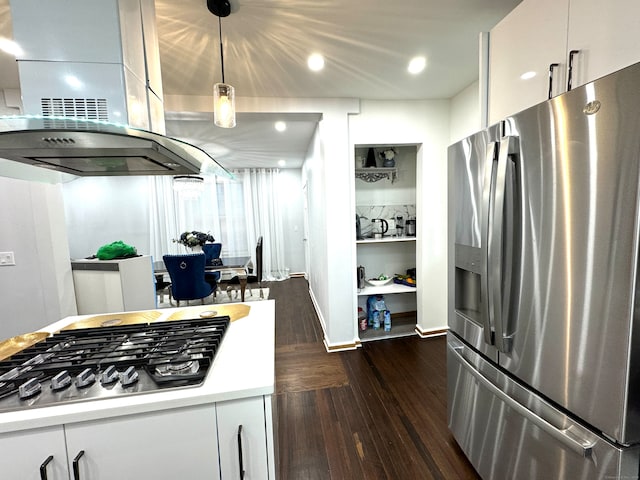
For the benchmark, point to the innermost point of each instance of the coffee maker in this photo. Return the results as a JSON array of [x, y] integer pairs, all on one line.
[[360, 276], [399, 226], [410, 227]]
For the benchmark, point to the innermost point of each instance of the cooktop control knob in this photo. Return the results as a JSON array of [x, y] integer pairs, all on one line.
[[129, 377], [109, 375], [61, 381], [29, 389], [85, 378]]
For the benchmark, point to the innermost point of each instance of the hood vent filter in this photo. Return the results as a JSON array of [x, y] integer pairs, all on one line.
[[88, 108]]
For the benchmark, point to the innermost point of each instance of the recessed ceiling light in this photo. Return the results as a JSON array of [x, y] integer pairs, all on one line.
[[315, 62], [10, 47], [527, 75], [281, 163], [417, 64], [281, 126]]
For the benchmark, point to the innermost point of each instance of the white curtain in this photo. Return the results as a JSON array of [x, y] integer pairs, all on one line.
[[235, 211]]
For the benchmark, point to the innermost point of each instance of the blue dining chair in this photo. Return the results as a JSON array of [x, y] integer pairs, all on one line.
[[187, 277], [212, 253]]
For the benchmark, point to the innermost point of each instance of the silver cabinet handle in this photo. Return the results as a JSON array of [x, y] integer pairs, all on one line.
[[43, 467], [581, 447], [551, 67], [572, 54], [240, 461], [76, 466]]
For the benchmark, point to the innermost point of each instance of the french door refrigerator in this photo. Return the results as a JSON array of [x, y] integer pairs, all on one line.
[[543, 352]]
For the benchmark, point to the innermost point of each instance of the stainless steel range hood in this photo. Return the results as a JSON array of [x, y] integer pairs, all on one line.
[[75, 92], [91, 148]]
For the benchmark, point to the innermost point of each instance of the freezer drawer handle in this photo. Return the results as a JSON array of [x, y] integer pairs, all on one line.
[[583, 448]]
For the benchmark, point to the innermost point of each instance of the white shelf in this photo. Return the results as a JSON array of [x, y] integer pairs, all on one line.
[[385, 289], [389, 239], [402, 325]]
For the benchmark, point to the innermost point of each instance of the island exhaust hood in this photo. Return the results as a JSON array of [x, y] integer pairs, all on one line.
[[93, 108], [89, 148]]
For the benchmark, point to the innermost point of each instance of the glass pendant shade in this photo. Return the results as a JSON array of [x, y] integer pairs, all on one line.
[[224, 105], [188, 185]]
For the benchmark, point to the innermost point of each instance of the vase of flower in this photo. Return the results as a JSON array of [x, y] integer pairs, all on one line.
[[194, 240], [388, 158]]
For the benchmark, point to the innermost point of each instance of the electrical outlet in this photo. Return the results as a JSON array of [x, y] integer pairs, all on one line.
[[7, 258]]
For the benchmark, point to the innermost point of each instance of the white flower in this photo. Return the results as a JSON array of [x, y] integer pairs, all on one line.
[[389, 154]]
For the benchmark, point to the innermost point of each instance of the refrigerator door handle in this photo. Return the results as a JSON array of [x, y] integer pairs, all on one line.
[[499, 265], [565, 436], [487, 202]]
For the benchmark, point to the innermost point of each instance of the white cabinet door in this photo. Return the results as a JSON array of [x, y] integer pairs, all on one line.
[[242, 433], [168, 445], [22, 453], [527, 41], [606, 35]]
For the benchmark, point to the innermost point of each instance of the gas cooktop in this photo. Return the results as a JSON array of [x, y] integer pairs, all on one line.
[[107, 362]]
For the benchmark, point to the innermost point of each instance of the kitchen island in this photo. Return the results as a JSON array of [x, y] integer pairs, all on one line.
[[216, 430]]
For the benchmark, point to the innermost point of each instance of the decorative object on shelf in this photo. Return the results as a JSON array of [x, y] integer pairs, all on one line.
[[224, 96], [381, 280], [371, 175], [194, 240], [188, 185], [388, 157], [371, 159]]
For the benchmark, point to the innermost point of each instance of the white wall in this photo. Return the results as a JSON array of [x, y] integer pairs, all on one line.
[[38, 290], [465, 113], [291, 201], [101, 210], [312, 177]]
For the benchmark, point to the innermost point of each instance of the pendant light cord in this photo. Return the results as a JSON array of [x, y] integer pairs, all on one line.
[[221, 53]]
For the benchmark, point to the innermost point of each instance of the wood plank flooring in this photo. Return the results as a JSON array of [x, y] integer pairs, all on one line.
[[378, 412]]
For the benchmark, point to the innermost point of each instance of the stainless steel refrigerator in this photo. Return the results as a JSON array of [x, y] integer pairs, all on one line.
[[543, 352]]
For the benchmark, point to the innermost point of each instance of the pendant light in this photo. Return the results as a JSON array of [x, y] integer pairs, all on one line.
[[190, 186], [224, 95]]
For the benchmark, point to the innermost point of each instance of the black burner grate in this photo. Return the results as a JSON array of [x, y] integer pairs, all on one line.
[[109, 361]]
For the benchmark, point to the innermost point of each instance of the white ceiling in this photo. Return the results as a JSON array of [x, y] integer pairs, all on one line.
[[366, 44]]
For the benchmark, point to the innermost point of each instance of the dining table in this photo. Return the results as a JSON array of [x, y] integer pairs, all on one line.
[[236, 266]]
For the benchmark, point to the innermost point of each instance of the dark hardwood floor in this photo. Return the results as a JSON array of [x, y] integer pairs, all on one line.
[[379, 412]]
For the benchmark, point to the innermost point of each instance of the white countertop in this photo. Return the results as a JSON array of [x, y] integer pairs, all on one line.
[[244, 366]]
